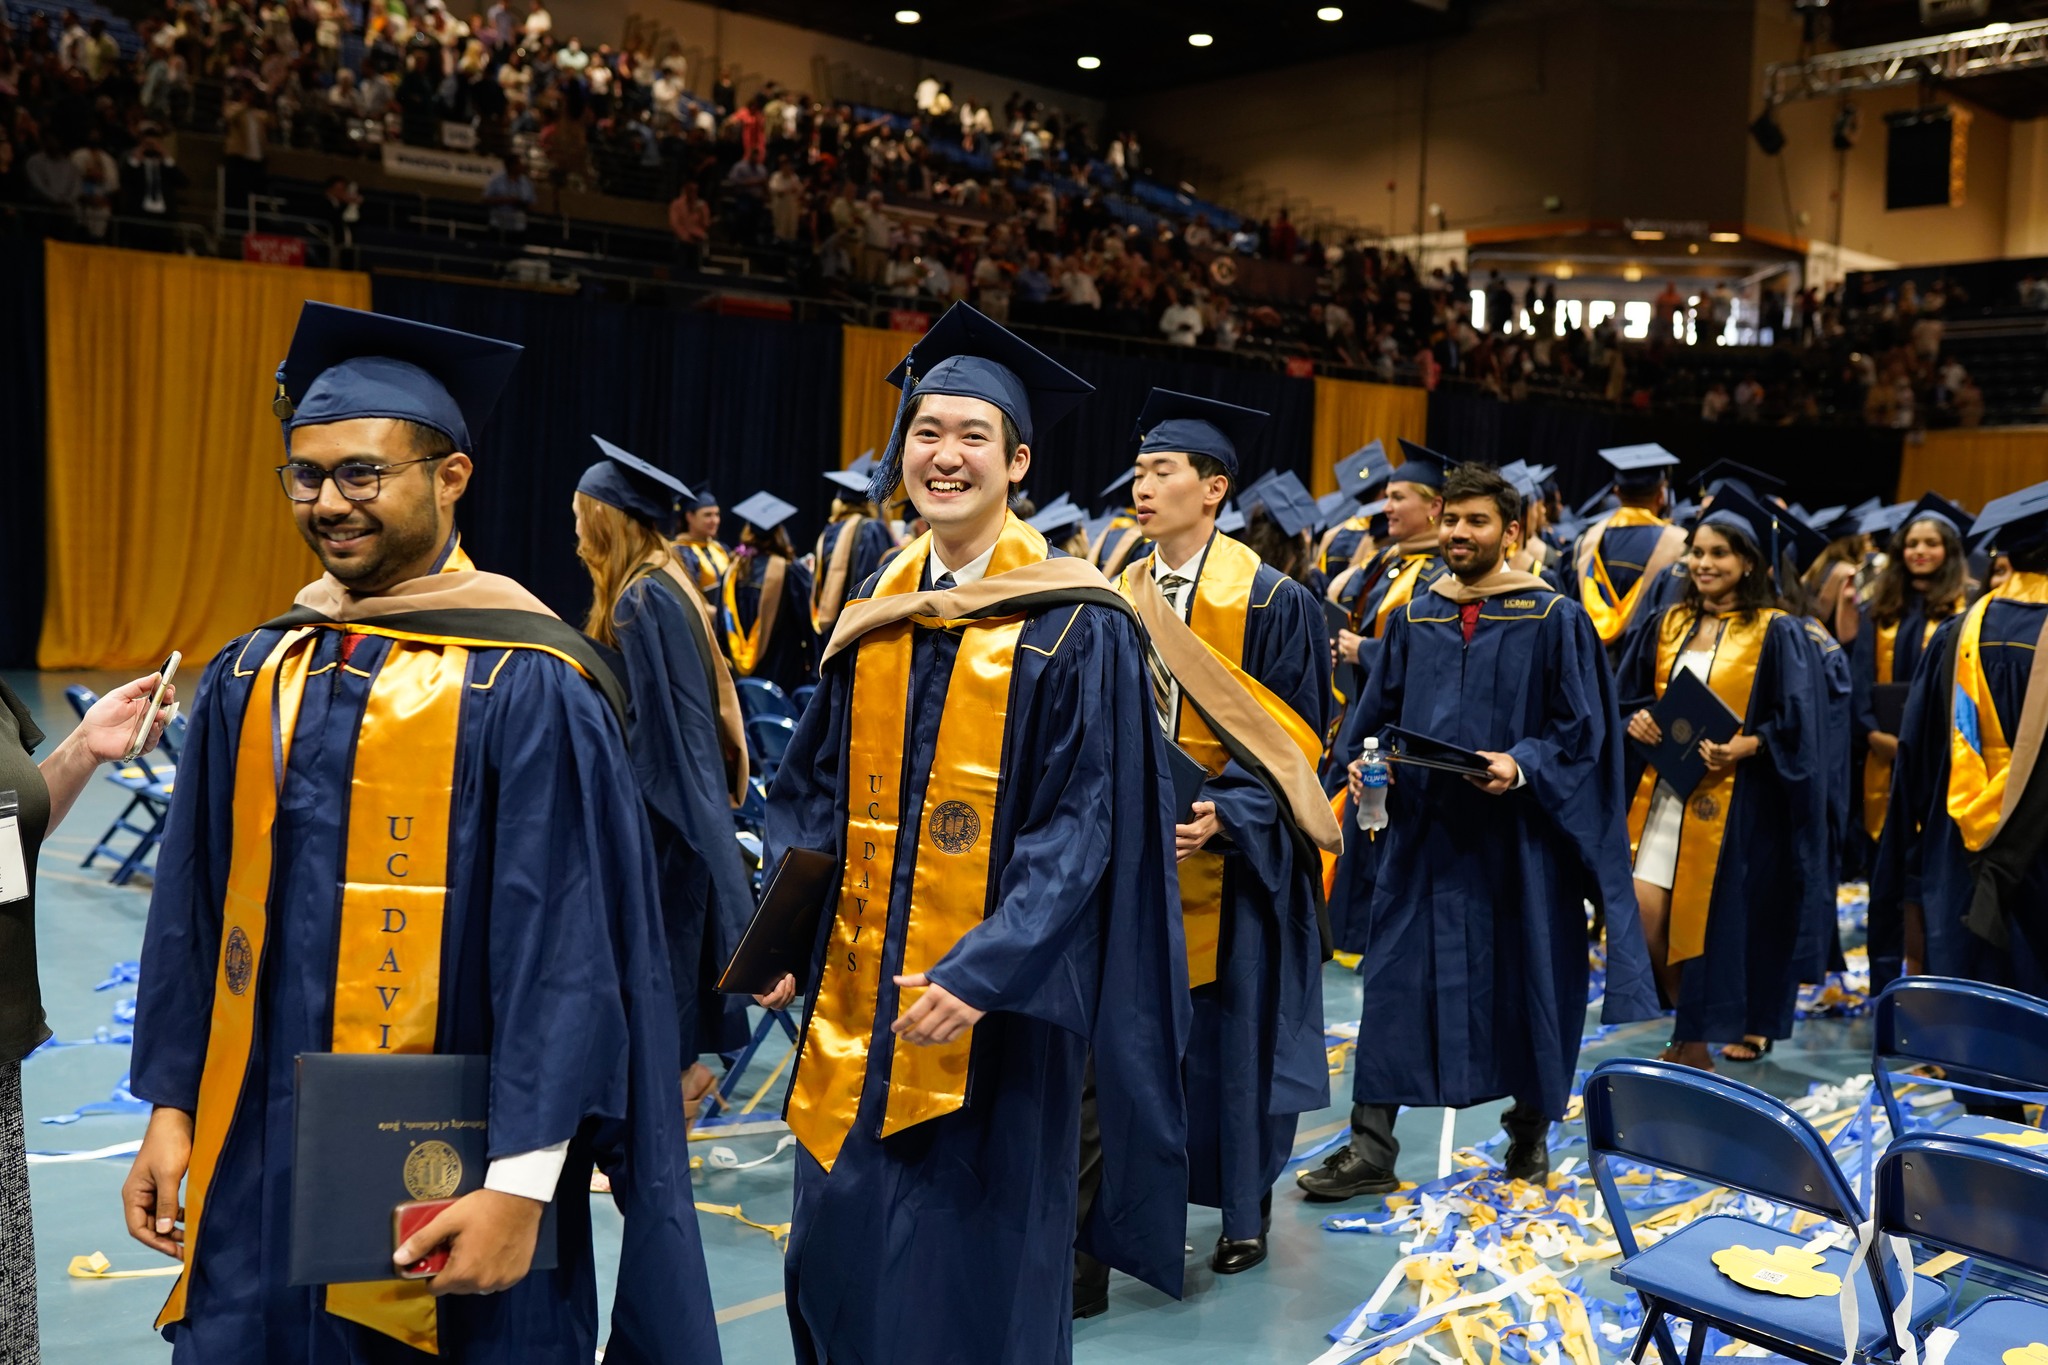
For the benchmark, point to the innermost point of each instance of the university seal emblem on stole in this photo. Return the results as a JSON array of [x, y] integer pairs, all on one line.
[[433, 1170], [240, 961], [954, 827], [1705, 807]]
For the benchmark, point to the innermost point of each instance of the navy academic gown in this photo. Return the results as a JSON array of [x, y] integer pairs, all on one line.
[[550, 864], [952, 1242], [673, 736], [1357, 868], [871, 545], [1256, 1060], [1906, 653], [1921, 858], [1821, 952], [1773, 873], [1476, 943], [790, 658]]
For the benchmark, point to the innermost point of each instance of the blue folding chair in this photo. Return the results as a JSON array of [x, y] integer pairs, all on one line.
[[1986, 1039], [1673, 1118], [767, 740], [759, 697], [802, 698], [149, 787], [1979, 1199]]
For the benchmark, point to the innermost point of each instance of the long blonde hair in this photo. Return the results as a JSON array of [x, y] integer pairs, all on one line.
[[613, 545]]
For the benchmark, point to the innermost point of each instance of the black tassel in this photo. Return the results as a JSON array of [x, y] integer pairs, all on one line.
[[889, 469]]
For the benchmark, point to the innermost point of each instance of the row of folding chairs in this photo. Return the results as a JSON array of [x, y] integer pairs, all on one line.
[[148, 781], [1955, 1190]]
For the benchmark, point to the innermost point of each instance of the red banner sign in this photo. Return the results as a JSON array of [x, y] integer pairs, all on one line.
[[270, 248]]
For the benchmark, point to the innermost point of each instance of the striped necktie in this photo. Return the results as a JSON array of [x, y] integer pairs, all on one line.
[[1162, 681]]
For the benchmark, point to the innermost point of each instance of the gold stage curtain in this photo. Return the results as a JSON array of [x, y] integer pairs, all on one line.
[[867, 401], [167, 528], [1350, 413], [1972, 465]]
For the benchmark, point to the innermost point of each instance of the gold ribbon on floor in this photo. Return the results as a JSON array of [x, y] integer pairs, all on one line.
[[1732, 677], [954, 829]]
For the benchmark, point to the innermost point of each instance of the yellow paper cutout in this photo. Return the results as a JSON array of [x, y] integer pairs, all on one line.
[[2034, 1137], [98, 1267], [2033, 1353], [1789, 1271]]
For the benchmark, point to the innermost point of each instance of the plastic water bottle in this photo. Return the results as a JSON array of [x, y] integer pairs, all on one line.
[[1372, 775]]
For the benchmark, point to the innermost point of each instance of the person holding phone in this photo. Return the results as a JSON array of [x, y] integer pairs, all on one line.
[[34, 799]]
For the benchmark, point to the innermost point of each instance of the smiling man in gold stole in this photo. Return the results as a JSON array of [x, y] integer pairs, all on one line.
[[1241, 680], [983, 757], [404, 810]]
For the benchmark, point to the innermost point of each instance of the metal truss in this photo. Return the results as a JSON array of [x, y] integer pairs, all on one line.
[[1990, 51]]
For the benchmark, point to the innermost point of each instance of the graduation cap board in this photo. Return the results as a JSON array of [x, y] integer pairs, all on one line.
[[1229, 521], [1363, 470], [345, 363], [1751, 481], [1110, 489], [1285, 501], [1193, 425], [1421, 465], [1882, 521], [1639, 468], [625, 481], [1058, 519], [1771, 529], [2015, 521], [1332, 508], [1933, 507], [968, 354], [764, 511]]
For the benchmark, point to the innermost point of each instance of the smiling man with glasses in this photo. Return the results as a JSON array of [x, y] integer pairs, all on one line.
[[406, 823]]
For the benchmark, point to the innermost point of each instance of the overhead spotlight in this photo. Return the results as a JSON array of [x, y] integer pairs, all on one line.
[[1770, 138], [1087, 63], [908, 16], [1848, 124], [1632, 273], [1200, 39], [1329, 14]]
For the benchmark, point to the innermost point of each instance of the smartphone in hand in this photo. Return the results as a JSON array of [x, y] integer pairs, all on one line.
[[407, 1219], [140, 738]]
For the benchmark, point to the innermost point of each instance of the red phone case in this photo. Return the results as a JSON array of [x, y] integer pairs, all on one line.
[[407, 1219]]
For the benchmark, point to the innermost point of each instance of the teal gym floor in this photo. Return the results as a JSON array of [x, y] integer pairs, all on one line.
[[1278, 1312]]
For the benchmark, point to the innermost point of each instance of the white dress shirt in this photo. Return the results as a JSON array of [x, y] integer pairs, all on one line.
[[973, 571]]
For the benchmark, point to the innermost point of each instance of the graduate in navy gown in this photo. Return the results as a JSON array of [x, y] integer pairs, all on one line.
[[764, 604], [1620, 558], [684, 731], [1250, 872], [702, 554], [1400, 571], [404, 807], [1956, 842], [1349, 543], [1924, 582], [1733, 877], [983, 760], [1476, 974], [850, 548]]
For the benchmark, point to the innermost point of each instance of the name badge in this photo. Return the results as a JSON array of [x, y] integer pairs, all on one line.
[[13, 868]]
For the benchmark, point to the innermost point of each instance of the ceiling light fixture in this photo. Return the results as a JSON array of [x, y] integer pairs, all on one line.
[[1643, 235], [1199, 40], [1329, 14], [1087, 63], [908, 16], [1724, 236]]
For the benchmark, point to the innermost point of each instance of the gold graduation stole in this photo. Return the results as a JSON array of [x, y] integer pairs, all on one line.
[[1877, 773], [949, 889], [1979, 758], [1359, 553], [1223, 593], [1400, 590], [748, 647], [394, 895], [708, 559], [1612, 611], [1732, 677], [829, 588]]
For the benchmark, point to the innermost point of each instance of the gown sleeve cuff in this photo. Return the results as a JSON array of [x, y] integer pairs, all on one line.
[[532, 1175]]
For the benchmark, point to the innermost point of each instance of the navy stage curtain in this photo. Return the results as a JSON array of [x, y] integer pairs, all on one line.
[[22, 398], [1821, 466], [736, 403]]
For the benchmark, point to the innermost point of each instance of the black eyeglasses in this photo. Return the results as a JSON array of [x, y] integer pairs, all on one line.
[[357, 480]]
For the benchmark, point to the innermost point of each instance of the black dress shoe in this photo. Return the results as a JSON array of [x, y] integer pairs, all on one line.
[[1529, 1159], [1232, 1256], [1345, 1174], [1091, 1286]]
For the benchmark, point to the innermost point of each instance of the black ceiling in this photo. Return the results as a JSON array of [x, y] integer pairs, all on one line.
[[1143, 46]]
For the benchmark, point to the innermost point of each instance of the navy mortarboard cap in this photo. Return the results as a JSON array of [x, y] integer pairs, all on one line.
[[1096, 525], [1229, 521], [850, 481], [1751, 481], [1285, 501], [1934, 507], [1542, 473], [1684, 513], [1639, 468], [1332, 508], [1109, 490], [863, 463], [2014, 521], [1058, 519], [970, 355], [1198, 426], [764, 511], [345, 363], [1524, 481], [1598, 503], [625, 481], [1866, 507], [1773, 530], [1421, 465], [1882, 521], [699, 498], [1363, 470]]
